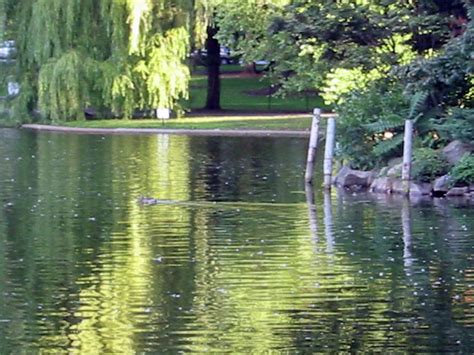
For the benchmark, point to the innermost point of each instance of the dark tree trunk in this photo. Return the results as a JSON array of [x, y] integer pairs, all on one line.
[[213, 71], [251, 68]]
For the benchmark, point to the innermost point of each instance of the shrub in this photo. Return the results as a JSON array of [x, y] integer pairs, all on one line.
[[463, 172], [371, 125], [458, 124], [428, 164], [380, 103]]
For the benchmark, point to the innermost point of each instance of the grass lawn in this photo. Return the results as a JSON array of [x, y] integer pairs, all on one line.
[[278, 122], [241, 93]]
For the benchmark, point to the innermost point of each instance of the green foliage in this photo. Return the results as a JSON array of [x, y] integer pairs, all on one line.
[[116, 55], [372, 123], [389, 147], [463, 172], [341, 81], [361, 115], [457, 124], [365, 116], [428, 164], [318, 40], [448, 75], [63, 86]]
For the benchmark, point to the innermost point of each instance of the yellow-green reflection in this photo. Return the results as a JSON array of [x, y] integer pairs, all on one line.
[[240, 264], [111, 320]]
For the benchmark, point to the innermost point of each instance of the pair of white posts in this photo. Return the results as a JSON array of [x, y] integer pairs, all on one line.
[[329, 151]]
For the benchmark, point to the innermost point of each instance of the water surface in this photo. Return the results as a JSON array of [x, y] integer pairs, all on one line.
[[240, 263]]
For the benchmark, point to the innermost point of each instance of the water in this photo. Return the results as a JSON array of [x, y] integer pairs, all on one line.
[[240, 263]]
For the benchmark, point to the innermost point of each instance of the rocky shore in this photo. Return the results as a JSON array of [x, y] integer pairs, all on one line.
[[387, 180]]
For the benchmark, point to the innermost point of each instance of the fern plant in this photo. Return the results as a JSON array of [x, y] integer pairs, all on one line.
[[370, 129], [463, 172], [394, 124]]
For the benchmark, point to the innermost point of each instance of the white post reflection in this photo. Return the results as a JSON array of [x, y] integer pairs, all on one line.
[[328, 222], [310, 200], [407, 235]]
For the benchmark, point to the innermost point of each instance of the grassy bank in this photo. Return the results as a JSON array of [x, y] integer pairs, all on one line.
[[276, 122], [247, 100]]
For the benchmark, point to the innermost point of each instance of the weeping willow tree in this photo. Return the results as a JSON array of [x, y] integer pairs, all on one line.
[[2, 19], [112, 55]]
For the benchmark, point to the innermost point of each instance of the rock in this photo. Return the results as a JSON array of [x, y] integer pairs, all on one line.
[[420, 189], [383, 172], [471, 187], [397, 186], [348, 177], [416, 189], [458, 191], [382, 184], [395, 171], [442, 184], [340, 176], [455, 150], [394, 161]]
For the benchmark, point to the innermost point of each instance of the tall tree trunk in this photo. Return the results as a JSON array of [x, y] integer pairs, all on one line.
[[213, 70]]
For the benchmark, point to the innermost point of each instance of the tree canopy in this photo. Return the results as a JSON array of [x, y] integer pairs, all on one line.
[[315, 44], [118, 55]]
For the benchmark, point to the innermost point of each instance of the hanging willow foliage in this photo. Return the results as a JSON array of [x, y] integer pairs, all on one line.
[[121, 55], [3, 19]]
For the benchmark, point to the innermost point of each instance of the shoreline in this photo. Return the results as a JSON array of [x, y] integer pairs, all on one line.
[[175, 131]]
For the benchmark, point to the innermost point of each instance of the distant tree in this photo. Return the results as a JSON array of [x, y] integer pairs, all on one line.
[[213, 62]]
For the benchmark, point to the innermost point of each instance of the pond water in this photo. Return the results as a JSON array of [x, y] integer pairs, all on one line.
[[237, 262]]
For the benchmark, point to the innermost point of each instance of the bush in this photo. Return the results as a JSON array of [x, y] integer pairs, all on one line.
[[463, 172], [428, 164], [458, 124], [379, 104]]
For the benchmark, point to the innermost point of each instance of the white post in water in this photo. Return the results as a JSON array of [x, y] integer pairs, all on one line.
[[329, 152], [313, 143], [407, 152]]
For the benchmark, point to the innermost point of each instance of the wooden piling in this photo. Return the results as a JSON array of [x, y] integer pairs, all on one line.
[[407, 155], [313, 143], [329, 152]]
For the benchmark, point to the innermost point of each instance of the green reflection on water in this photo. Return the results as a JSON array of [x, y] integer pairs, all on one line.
[[241, 264]]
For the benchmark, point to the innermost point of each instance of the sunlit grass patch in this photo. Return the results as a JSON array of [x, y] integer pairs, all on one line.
[[277, 122]]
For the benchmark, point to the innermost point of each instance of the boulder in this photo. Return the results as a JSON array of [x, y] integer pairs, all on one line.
[[348, 177], [395, 161], [395, 171], [420, 189], [442, 184], [416, 189], [397, 186], [458, 191], [383, 172], [382, 184], [455, 150]]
